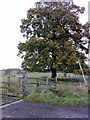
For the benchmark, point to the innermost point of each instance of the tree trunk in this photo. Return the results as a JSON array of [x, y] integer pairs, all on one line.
[[54, 73]]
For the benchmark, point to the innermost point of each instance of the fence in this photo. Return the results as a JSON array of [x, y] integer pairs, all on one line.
[[36, 84], [22, 85], [8, 87]]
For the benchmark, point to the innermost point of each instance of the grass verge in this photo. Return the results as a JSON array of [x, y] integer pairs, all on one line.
[[65, 98]]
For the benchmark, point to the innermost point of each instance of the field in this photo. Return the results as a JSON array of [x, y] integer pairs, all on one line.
[[45, 74]]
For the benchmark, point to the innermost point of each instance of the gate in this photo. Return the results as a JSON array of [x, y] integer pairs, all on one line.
[[9, 86], [28, 84], [20, 85]]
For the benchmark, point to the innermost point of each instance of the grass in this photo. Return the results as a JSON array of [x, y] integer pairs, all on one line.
[[74, 88], [66, 99], [42, 75], [69, 94]]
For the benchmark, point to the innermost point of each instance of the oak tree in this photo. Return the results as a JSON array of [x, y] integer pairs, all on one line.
[[55, 38]]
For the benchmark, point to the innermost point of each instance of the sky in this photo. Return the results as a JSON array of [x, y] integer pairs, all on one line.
[[11, 13]]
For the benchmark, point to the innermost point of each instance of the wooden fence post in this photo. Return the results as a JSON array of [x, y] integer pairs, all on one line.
[[8, 84], [19, 81], [47, 84], [56, 82], [19, 85], [38, 85], [25, 84]]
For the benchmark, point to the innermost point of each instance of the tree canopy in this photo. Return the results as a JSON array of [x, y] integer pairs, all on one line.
[[55, 38]]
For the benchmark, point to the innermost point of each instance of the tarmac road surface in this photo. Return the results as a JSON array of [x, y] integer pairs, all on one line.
[[24, 109]]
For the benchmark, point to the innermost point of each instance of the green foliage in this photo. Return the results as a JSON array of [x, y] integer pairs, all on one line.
[[85, 70], [54, 37], [62, 99]]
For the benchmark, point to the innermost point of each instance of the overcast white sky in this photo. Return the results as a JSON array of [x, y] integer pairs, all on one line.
[[11, 13]]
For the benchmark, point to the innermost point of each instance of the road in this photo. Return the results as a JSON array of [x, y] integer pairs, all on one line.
[[24, 109]]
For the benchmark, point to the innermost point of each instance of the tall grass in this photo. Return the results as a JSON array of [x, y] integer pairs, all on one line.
[[72, 94], [65, 98]]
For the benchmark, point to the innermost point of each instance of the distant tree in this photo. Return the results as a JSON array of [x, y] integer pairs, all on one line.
[[54, 37]]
